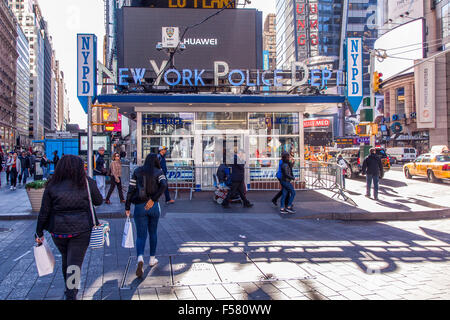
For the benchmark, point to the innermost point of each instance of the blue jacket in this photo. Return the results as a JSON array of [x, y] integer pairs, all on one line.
[[162, 161]]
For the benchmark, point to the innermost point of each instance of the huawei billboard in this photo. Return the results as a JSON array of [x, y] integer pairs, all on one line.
[[234, 36]]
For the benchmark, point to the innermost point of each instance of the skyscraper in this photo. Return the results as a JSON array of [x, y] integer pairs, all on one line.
[[22, 88], [8, 60], [28, 15], [269, 39]]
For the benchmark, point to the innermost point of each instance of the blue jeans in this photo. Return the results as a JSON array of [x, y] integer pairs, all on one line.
[[45, 171], [288, 188], [146, 222], [375, 179]]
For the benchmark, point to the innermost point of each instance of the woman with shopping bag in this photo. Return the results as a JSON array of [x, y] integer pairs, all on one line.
[[66, 214], [147, 185]]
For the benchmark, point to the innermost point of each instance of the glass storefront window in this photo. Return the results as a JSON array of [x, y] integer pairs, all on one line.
[[167, 124], [270, 135], [400, 107], [221, 121], [173, 130]]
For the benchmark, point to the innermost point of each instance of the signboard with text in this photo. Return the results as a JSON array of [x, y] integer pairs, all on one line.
[[86, 68], [354, 59]]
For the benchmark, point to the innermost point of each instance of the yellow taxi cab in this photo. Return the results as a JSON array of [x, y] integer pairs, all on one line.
[[434, 166]]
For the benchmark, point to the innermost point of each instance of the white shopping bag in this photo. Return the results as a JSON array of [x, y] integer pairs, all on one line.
[[45, 261], [127, 239]]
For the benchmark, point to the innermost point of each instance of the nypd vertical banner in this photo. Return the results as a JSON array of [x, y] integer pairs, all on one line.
[[86, 68], [354, 72]]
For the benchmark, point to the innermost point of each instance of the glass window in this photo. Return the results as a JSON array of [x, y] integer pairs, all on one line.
[[443, 158], [221, 121], [167, 124], [445, 24], [400, 101]]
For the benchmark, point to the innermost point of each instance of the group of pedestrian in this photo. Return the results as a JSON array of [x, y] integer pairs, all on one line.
[[18, 166], [65, 211]]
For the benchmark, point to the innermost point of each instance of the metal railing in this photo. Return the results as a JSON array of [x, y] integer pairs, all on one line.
[[312, 176]]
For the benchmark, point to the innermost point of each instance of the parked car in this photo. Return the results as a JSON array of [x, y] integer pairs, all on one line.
[[354, 162], [403, 154], [434, 166], [392, 159]]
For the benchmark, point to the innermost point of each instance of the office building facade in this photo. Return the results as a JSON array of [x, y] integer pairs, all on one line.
[[269, 40], [22, 88]]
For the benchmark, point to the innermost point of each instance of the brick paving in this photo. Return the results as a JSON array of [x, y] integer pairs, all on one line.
[[320, 260]]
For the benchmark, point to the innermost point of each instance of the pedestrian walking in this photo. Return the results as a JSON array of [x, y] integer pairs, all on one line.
[[65, 214], [116, 180], [55, 158], [8, 169], [24, 173], [32, 157], [15, 166], [162, 160], [100, 171], [373, 169], [280, 193], [237, 181], [147, 185], [287, 176], [45, 165], [343, 165]]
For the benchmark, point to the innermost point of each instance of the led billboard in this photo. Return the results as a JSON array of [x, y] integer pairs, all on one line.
[[234, 36]]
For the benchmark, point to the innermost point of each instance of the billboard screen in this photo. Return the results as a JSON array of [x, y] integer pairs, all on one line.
[[197, 4], [233, 36], [403, 42]]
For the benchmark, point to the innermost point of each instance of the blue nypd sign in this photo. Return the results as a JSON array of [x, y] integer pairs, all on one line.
[[86, 68], [354, 58]]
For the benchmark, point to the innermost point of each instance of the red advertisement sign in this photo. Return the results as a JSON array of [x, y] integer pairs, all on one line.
[[316, 123]]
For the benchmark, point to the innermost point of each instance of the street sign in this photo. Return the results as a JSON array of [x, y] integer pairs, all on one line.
[[86, 68], [354, 72]]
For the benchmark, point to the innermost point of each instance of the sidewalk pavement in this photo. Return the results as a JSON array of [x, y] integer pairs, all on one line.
[[320, 204], [246, 257]]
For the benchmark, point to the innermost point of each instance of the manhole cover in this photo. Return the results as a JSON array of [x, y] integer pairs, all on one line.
[[5, 230]]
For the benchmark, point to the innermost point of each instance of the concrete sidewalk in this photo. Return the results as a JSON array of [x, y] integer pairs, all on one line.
[[397, 201]]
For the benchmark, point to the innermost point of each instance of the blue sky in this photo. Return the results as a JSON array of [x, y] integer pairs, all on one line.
[[66, 18]]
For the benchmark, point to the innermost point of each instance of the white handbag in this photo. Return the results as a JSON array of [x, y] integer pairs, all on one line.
[[99, 233], [45, 261], [127, 239]]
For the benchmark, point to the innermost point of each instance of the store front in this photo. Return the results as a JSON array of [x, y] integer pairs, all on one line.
[[204, 131]]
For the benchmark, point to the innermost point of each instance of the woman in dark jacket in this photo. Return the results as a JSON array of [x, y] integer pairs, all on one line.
[[65, 213], [146, 187], [287, 176]]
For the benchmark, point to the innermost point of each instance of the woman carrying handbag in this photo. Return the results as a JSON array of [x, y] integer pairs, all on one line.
[[146, 187], [66, 214]]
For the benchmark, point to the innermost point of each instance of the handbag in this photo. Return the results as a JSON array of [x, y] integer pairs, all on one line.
[[100, 232], [127, 239], [43, 256]]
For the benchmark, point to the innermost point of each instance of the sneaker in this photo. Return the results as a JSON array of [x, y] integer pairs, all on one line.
[[170, 201], [140, 267], [274, 203], [290, 210], [153, 261], [367, 195], [283, 210], [12, 188]]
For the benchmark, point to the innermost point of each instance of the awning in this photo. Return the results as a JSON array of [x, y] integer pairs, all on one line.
[[128, 103]]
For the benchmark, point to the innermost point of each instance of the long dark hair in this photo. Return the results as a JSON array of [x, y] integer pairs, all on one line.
[[71, 168], [151, 162]]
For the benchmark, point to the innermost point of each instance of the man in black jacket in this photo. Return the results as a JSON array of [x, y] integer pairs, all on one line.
[[100, 171], [373, 169], [237, 181]]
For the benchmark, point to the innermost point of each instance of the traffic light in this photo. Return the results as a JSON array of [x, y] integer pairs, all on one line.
[[377, 81], [361, 130]]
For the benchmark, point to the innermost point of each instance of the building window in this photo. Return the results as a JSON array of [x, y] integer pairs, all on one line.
[[445, 24], [400, 101]]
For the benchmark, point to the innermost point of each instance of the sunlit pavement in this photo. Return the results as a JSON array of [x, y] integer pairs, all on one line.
[[262, 257]]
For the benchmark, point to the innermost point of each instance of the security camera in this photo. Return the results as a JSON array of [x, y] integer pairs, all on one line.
[[159, 46], [182, 46]]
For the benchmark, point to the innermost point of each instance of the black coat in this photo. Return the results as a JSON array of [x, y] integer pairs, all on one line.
[[238, 170], [286, 172], [142, 189], [65, 208], [100, 169], [372, 165]]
